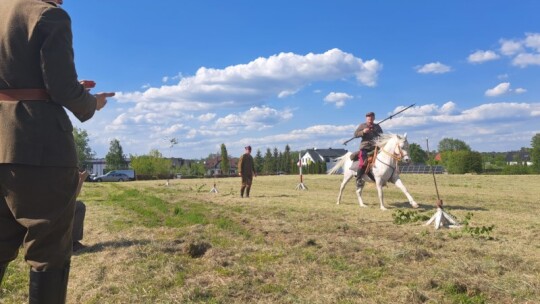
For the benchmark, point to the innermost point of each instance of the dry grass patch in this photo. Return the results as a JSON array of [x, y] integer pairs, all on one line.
[[149, 243]]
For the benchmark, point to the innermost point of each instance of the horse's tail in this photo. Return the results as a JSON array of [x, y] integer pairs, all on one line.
[[339, 164]]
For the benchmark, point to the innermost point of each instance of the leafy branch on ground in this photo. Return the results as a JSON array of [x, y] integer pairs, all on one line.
[[477, 232], [482, 232], [403, 217]]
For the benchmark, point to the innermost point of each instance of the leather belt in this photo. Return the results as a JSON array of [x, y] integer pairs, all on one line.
[[24, 94]]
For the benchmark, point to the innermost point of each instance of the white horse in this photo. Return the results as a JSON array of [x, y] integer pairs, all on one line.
[[392, 149]]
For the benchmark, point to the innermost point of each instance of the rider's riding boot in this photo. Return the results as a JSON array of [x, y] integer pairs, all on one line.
[[242, 191], [48, 286], [359, 174], [370, 175], [3, 268], [248, 188]]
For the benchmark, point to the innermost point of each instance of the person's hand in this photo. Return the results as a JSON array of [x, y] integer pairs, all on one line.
[[366, 130], [239, 174], [83, 175], [102, 99]]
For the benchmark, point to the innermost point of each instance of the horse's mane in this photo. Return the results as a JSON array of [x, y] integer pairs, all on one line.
[[384, 138]]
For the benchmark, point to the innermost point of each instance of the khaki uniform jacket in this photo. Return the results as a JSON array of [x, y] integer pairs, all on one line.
[[368, 139], [36, 53], [246, 166]]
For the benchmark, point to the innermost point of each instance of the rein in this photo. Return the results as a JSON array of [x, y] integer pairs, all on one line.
[[395, 156]]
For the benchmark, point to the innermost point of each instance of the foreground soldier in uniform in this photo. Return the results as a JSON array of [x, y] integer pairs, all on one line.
[[37, 80]]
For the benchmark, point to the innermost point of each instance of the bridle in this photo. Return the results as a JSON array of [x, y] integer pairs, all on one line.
[[396, 156]]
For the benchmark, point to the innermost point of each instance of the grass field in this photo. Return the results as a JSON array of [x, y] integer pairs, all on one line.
[[148, 243]]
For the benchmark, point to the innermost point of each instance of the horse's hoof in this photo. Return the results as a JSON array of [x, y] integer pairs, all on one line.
[[414, 205], [363, 206], [383, 208]]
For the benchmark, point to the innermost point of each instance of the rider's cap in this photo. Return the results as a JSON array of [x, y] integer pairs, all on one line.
[[370, 114]]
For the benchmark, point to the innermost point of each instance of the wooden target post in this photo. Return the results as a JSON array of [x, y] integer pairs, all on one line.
[[301, 185], [440, 218], [214, 189]]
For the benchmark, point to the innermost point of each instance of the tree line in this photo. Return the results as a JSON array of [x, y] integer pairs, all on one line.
[[455, 155], [458, 158]]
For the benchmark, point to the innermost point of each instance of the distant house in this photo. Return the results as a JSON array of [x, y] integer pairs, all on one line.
[[518, 157], [177, 162], [213, 166], [322, 155], [97, 166]]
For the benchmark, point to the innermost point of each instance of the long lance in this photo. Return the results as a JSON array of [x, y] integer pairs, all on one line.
[[387, 118]]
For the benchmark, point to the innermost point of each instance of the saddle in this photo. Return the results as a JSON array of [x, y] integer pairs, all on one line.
[[370, 161]]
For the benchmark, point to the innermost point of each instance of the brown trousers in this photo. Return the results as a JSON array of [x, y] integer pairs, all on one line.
[[247, 180], [78, 221], [36, 210]]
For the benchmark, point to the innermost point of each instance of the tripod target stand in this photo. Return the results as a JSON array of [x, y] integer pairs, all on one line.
[[440, 218], [214, 189]]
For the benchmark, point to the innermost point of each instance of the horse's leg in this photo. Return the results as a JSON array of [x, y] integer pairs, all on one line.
[[346, 178], [379, 185], [400, 185], [359, 195]]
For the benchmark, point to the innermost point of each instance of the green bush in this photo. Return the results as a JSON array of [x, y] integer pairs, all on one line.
[[460, 162], [516, 170]]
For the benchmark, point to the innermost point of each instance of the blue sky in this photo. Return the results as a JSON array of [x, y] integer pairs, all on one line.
[[304, 73]]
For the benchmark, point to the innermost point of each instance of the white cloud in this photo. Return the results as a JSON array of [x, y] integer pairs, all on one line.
[[524, 59], [430, 114], [503, 88], [257, 118], [338, 99], [482, 56], [252, 83], [500, 89], [247, 86], [433, 68], [520, 90], [533, 41], [206, 117], [510, 47], [286, 93], [525, 51], [171, 78], [319, 136], [171, 129]]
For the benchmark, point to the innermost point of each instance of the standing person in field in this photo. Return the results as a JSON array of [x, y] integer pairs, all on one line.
[[246, 169], [369, 131], [38, 160]]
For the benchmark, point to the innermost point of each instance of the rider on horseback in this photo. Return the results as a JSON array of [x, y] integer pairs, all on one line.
[[369, 131]]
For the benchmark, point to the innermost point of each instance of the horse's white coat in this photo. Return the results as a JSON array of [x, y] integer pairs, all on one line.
[[392, 149]]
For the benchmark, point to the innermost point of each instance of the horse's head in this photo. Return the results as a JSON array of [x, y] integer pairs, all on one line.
[[395, 145], [403, 147]]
